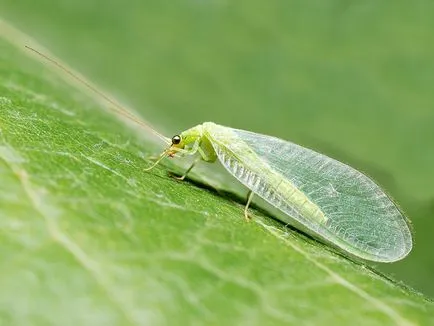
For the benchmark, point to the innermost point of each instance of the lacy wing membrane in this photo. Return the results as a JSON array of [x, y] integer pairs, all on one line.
[[332, 199]]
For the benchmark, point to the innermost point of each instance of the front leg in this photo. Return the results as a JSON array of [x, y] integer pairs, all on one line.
[[202, 156], [172, 151], [191, 151]]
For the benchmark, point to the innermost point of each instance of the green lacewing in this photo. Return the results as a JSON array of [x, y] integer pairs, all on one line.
[[334, 201]]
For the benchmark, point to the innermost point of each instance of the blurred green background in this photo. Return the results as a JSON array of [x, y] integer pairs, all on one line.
[[354, 80]]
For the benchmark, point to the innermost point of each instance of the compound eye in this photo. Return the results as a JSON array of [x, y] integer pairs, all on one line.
[[176, 139]]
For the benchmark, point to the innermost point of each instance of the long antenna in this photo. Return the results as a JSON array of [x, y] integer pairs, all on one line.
[[119, 109]]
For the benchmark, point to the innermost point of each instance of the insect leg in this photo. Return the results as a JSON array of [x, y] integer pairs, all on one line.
[[249, 199], [188, 170], [163, 155], [203, 155], [191, 151]]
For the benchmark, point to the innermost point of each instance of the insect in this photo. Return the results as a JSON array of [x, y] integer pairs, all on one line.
[[332, 200]]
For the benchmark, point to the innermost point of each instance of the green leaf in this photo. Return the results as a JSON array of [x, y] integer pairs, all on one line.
[[88, 238], [349, 80]]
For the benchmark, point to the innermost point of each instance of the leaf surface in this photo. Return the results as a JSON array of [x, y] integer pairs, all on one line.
[[88, 238]]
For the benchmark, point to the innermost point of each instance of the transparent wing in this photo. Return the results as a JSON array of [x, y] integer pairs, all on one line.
[[360, 217]]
